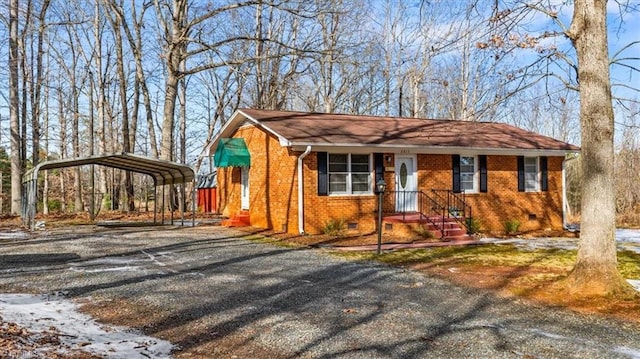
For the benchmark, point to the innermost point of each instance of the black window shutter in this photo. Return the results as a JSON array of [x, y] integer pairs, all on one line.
[[379, 165], [323, 175], [544, 174], [520, 173], [482, 162], [456, 173]]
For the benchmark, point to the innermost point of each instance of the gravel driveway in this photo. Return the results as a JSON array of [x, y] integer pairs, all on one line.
[[208, 284]]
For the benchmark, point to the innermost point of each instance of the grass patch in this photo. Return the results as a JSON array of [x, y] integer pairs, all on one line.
[[270, 240], [629, 264], [503, 255]]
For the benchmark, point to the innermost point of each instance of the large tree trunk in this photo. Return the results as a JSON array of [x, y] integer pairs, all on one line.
[[62, 119], [102, 142], [14, 106], [45, 187], [75, 143], [595, 271], [175, 53], [129, 205], [171, 92], [37, 87]]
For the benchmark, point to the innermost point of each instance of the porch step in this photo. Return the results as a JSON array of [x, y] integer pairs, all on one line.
[[450, 229], [240, 219], [446, 228]]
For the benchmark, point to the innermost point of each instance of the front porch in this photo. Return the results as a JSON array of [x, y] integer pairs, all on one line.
[[441, 214]]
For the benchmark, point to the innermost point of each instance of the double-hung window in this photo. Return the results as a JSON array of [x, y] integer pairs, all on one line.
[[349, 173], [533, 174], [468, 174], [531, 177]]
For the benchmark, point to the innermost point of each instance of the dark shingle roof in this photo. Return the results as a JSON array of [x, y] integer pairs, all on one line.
[[303, 128]]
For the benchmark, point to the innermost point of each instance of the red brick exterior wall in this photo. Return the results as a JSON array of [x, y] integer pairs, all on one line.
[[358, 210], [273, 184], [502, 201], [273, 188]]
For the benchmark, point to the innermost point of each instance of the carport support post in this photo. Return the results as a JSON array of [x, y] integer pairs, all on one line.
[[184, 202], [32, 199], [163, 186], [193, 202], [171, 196], [155, 200]]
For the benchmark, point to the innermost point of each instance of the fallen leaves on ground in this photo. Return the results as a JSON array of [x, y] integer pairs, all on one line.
[[18, 342]]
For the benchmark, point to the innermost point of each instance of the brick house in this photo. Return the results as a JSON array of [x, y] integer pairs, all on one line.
[[296, 171]]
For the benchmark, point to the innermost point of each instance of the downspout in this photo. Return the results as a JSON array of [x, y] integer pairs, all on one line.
[[301, 191], [565, 202]]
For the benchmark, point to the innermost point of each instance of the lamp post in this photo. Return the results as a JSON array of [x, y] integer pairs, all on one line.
[[381, 185]]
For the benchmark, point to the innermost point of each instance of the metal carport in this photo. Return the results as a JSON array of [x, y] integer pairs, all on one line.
[[162, 172]]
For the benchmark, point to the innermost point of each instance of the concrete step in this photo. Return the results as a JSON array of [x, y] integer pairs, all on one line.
[[242, 219], [464, 237]]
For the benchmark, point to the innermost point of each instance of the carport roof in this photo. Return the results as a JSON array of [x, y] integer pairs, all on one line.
[[163, 172]]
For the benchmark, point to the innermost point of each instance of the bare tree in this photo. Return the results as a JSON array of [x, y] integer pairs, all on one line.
[[136, 44], [595, 271], [223, 90], [98, 26], [45, 115], [14, 110], [127, 137], [62, 120], [37, 84]]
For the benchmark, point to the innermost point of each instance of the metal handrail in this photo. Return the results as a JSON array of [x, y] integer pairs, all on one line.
[[457, 207], [426, 207]]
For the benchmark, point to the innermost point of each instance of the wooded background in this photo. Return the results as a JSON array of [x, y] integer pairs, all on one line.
[[159, 78]]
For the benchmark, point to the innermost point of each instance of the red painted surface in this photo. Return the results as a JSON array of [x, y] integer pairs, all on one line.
[[207, 200]]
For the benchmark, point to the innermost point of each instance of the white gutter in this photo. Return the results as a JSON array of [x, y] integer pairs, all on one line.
[[565, 202], [301, 191]]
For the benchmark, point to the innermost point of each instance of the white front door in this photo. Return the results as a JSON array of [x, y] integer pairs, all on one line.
[[406, 184], [244, 188]]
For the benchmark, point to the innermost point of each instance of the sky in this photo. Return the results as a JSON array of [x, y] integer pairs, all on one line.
[[624, 28]]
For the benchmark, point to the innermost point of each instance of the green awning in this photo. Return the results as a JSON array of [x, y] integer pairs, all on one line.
[[232, 152]]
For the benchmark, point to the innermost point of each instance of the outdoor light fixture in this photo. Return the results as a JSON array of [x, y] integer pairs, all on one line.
[[381, 185]]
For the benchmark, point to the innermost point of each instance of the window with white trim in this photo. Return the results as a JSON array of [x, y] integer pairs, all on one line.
[[531, 177], [349, 173], [468, 177]]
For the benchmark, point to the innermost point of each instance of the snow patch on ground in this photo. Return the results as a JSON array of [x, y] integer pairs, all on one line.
[[42, 313], [628, 235], [630, 352], [143, 264], [635, 283], [14, 235]]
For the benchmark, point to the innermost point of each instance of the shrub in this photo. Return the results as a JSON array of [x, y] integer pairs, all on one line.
[[423, 232], [473, 225], [55, 205], [335, 227], [106, 201], [511, 226]]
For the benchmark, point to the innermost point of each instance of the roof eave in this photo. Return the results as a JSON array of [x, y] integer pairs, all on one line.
[[414, 149], [234, 123]]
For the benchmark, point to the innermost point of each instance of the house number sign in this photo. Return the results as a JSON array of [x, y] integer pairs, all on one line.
[[403, 175]]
